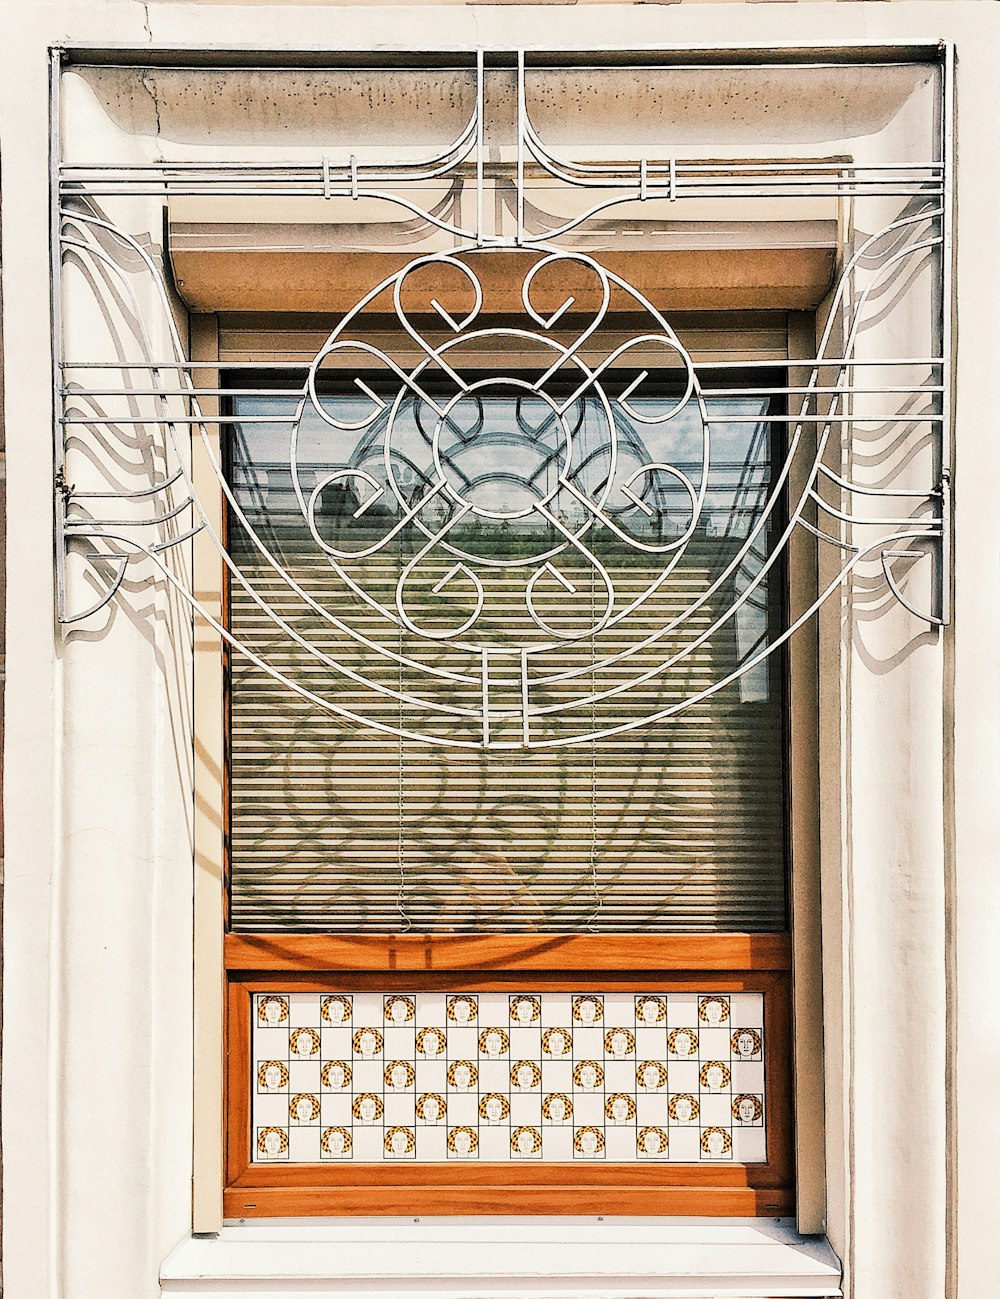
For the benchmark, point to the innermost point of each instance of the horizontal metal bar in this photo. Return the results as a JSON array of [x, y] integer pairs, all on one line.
[[96, 171], [178, 419], [797, 363], [817, 417], [174, 364], [317, 190], [792, 391], [658, 55], [821, 417]]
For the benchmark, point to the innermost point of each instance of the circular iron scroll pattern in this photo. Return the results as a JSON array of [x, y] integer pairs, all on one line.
[[513, 505]]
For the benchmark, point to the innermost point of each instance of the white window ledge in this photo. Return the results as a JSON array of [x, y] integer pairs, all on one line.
[[530, 1258]]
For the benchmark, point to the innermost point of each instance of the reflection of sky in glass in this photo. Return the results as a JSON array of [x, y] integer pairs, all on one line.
[[502, 451]]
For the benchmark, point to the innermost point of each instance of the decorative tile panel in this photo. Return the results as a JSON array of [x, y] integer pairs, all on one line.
[[497, 1077]]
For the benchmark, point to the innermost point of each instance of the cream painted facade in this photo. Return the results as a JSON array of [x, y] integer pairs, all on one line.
[[102, 830]]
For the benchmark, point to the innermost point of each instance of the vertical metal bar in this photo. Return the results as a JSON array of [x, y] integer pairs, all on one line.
[[55, 1054], [55, 308], [947, 320], [521, 119], [480, 90], [525, 722], [486, 699], [953, 1038]]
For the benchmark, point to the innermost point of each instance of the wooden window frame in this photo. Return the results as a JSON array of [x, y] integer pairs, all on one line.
[[710, 962], [663, 963]]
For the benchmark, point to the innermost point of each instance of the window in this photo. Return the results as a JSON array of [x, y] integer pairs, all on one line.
[[452, 221], [509, 945]]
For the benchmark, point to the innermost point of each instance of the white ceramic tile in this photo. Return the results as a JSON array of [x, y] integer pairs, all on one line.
[[431, 1009], [305, 1075], [651, 1109], [619, 1010], [303, 1145], [750, 1145], [498, 1077], [620, 1145], [682, 1009], [303, 1008]]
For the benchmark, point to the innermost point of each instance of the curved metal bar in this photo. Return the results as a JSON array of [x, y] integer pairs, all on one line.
[[67, 620], [861, 490], [893, 585], [128, 496], [296, 687], [794, 514], [245, 523], [859, 521], [744, 668]]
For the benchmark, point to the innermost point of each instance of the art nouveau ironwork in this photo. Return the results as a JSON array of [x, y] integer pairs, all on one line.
[[521, 529]]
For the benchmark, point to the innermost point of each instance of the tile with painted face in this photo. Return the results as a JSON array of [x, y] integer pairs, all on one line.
[[399, 1143], [716, 1143], [463, 1076], [272, 1076], [588, 1076], [588, 1143], [336, 1010], [493, 1043], [272, 1143], [746, 1043], [713, 1011], [431, 1108], [336, 1143], [557, 1108], [619, 1108], [525, 1075], [526, 1143], [650, 1011], [651, 1075], [652, 1143], [367, 1043], [462, 1009], [463, 1143], [748, 1109], [683, 1108], [336, 1075], [588, 1009], [714, 1076]]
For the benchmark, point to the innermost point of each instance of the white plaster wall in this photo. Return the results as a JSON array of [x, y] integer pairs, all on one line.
[[97, 1002]]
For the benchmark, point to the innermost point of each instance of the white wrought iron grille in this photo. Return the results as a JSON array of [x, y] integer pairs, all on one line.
[[487, 516]]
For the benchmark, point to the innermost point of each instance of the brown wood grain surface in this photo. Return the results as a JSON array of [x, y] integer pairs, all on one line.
[[615, 953]]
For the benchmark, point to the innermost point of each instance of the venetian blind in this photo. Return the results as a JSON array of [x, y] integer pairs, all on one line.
[[674, 826]]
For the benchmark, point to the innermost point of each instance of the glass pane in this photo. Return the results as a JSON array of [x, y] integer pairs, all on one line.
[[667, 825]]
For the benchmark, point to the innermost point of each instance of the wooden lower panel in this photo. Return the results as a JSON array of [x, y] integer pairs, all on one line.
[[446, 1198], [442, 953], [475, 1175], [342, 1189]]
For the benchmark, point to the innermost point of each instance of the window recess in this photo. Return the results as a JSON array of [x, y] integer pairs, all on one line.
[[518, 726]]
